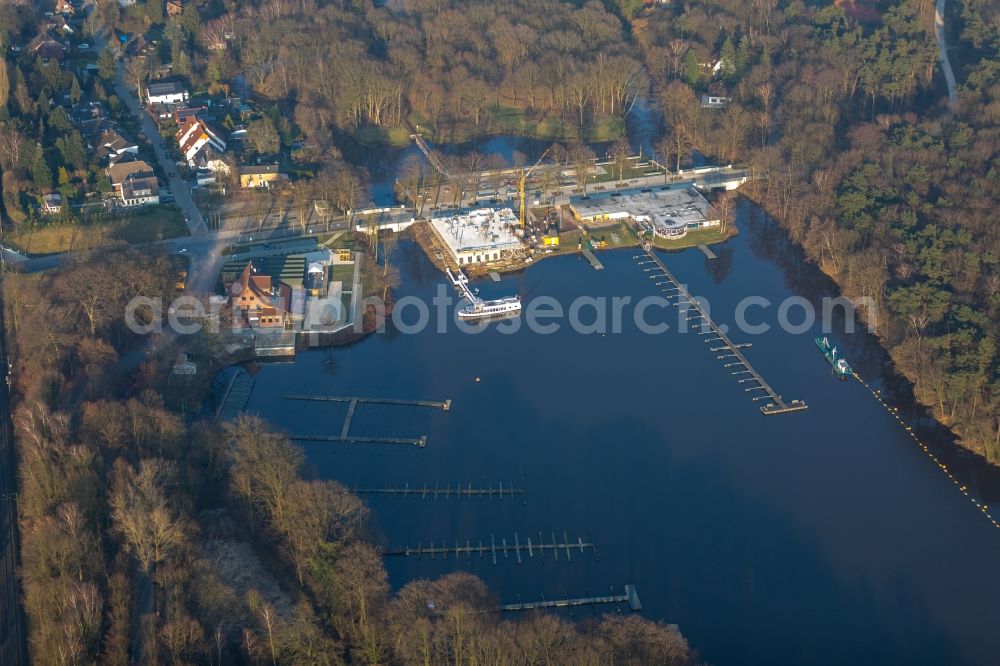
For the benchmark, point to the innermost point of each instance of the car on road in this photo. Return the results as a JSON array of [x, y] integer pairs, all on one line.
[[172, 174]]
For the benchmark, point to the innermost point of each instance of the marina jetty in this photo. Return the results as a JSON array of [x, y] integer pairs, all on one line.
[[727, 350]]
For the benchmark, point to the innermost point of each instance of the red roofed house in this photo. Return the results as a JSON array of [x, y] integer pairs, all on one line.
[[261, 303], [201, 146]]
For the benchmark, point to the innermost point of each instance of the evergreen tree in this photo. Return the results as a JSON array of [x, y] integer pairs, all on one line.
[[692, 70], [60, 120], [154, 10], [74, 90], [41, 174], [743, 56], [106, 65], [190, 19], [728, 69]]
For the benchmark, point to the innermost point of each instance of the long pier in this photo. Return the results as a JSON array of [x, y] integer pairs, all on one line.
[[439, 404], [425, 491], [346, 438], [237, 396], [503, 548], [631, 597], [732, 350], [594, 261], [420, 442]]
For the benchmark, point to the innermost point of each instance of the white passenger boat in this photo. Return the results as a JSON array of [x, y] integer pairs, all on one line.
[[478, 308]]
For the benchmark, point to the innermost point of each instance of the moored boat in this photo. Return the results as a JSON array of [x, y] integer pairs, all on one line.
[[841, 368]]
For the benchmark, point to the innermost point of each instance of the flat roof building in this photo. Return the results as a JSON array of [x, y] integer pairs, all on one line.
[[479, 236], [667, 211]]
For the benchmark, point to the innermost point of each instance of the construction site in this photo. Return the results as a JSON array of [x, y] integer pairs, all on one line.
[[530, 212]]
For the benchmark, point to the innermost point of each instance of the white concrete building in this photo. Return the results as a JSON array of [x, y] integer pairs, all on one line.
[[480, 236], [669, 212], [166, 92]]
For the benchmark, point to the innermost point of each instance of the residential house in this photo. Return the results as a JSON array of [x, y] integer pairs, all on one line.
[[174, 8], [715, 97], [140, 191], [261, 176], [189, 115], [114, 144], [166, 91], [65, 7], [259, 301], [52, 204], [47, 48], [59, 24], [137, 46], [134, 183], [202, 146]]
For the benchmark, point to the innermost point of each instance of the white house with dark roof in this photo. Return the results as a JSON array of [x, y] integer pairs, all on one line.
[[166, 92], [134, 183]]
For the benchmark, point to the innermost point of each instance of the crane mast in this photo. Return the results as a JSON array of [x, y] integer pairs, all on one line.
[[522, 184]]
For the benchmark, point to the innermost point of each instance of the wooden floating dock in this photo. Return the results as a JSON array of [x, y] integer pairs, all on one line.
[[237, 397], [631, 597], [494, 276], [777, 405], [708, 252], [420, 442], [440, 404], [594, 261], [345, 436], [493, 549], [447, 492]]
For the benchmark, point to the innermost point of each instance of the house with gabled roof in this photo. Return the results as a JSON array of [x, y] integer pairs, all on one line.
[[197, 140], [260, 302]]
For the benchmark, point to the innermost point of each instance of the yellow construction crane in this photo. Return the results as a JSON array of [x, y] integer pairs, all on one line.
[[522, 183]]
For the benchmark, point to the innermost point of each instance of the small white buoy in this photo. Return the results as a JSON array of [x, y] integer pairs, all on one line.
[[477, 380]]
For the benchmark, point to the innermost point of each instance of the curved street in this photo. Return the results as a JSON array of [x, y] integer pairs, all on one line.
[[949, 75]]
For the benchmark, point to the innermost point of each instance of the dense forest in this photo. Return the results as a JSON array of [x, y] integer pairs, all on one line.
[[845, 124], [152, 538], [458, 68]]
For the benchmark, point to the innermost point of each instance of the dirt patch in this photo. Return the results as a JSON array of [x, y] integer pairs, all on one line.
[[238, 566]]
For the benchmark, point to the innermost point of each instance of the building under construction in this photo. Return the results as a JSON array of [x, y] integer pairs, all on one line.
[[481, 236]]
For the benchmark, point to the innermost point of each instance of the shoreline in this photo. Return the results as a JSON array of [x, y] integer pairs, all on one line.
[[427, 242]]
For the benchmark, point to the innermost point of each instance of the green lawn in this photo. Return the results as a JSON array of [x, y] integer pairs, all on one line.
[[343, 273], [151, 224]]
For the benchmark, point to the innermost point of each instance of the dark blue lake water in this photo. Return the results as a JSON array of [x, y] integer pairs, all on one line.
[[825, 536]]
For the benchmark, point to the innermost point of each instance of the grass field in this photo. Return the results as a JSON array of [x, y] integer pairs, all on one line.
[[145, 226], [344, 273]]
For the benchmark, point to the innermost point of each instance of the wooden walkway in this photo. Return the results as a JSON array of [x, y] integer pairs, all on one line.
[[594, 261], [422, 492], [439, 404], [346, 438], [420, 442], [495, 549], [631, 597], [728, 347], [237, 397]]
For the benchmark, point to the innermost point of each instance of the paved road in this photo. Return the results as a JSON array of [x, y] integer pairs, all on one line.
[[949, 75], [178, 186]]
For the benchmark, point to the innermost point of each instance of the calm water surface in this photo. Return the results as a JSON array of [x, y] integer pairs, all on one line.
[[824, 536]]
